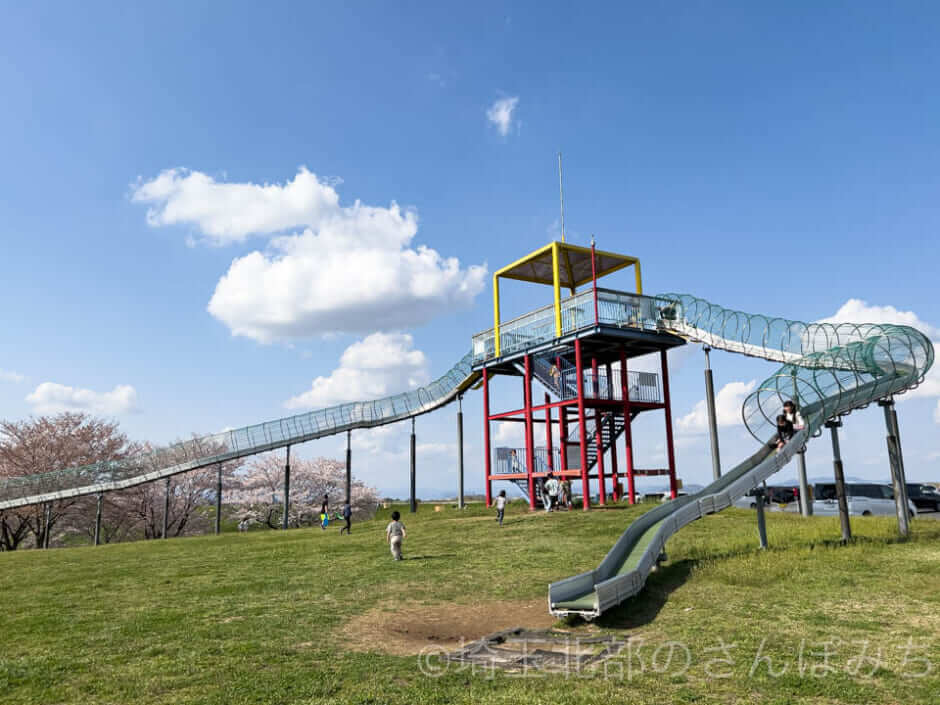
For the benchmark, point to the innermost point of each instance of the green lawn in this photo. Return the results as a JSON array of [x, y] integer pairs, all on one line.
[[273, 617]]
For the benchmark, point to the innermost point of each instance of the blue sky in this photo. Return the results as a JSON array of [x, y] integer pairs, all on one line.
[[778, 160]]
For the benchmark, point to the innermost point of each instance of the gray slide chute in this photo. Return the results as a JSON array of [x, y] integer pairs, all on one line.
[[828, 369]]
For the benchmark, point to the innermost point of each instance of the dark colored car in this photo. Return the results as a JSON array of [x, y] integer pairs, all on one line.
[[924, 497]]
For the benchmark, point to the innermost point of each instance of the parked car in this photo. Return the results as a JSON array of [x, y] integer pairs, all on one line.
[[864, 499], [775, 494], [924, 497]]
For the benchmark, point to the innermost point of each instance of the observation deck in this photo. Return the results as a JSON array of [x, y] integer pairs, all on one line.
[[611, 318]]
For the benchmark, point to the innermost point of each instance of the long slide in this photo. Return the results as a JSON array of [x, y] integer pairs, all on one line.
[[209, 450], [828, 370]]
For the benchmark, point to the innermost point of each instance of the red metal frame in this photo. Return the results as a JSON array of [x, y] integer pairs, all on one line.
[[582, 430], [671, 453], [599, 438], [529, 436], [615, 490], [589, 409], [548, 434], [627, 426], [486, 436]]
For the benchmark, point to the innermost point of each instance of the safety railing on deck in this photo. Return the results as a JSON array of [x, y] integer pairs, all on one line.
[[616, 308], [512, 461]]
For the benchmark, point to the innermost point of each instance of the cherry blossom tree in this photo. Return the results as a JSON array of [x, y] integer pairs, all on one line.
[[40, 444], [260, 496]]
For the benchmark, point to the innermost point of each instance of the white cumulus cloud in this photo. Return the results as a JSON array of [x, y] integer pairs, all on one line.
[[230, 212], [500, 114], [728, 402], [52, 398], [377, 366], [859, 311], [348, 269], [10, 376]]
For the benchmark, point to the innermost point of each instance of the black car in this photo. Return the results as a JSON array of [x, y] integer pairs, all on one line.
[[924, 497]]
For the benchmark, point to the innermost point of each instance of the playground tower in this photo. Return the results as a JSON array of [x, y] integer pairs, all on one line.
[[579, 349]]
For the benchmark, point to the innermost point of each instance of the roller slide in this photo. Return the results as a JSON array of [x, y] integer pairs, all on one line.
[[239, 443], [828, 370]]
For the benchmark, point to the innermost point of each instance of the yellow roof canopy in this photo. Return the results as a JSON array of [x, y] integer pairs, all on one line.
[[574, 265]]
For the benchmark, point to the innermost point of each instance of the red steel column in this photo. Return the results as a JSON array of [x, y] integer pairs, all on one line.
[[582, 426], [615, 493], [529, 436], [599, 436], [669, 447], [548, 433], [563, 436], [486, 435], [627, 425]]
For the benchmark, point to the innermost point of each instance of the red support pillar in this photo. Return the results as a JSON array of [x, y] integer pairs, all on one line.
[[548, 433], [582, 426], [486, 436], [673, 489], [615, 492], [627, 425], [599, 437], [563, 436], [529, 436]]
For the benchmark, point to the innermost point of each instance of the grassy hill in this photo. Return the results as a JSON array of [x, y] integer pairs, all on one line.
[[309, 616]]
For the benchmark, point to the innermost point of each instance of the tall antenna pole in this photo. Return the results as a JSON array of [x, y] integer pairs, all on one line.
[[561, 193]]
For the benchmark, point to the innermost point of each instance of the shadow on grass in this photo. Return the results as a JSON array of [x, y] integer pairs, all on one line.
[[643, 608], [430, 558]]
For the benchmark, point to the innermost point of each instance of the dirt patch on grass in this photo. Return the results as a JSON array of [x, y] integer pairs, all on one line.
[[408, 630]]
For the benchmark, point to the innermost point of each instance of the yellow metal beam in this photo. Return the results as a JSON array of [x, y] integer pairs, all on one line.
[[639, 279], [496, 313], [556, 285], [528, 258]]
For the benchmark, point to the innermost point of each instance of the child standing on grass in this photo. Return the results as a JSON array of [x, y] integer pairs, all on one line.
[[394, 534], [501, 506]]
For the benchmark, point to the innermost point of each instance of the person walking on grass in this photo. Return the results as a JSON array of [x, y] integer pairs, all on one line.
[[395, 534], [551, 489], [325, 512], [347, 517], [501, 506]]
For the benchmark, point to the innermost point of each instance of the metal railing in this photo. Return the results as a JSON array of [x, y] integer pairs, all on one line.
[[512, 461], [616, 308]]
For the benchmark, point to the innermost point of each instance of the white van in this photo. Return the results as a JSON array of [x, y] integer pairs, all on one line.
[[864, 499]]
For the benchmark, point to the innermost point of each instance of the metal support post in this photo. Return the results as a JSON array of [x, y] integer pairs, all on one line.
[[218, 500], [833, 427], [615, 479], [599, 437], [712, 417], [897, 434], [460, 502], [166, 506], [414, 499], [582, 426], [627, 426], [349, 467], [806, 501], [900, 505], [98, 519], [670, 449], [286, 490], [47, 524], [761, 520], [548, 435], [529, 435], [487, 451]]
